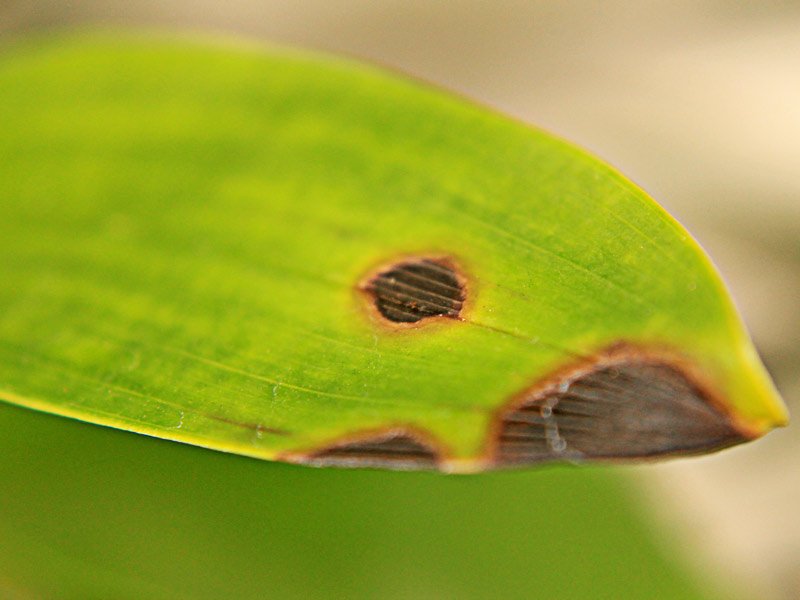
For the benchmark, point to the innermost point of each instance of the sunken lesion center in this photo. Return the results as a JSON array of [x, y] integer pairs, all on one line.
[[416, 289], [628, 410]]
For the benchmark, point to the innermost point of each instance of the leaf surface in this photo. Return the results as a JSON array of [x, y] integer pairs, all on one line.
[[191, 236]]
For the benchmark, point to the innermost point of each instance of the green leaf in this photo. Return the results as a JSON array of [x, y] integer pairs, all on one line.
[[194, 239]]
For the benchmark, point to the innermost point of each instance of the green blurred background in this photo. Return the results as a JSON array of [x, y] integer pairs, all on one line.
[[700, 104]]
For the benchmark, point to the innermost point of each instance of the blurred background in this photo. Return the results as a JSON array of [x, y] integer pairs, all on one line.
[[698, 102]]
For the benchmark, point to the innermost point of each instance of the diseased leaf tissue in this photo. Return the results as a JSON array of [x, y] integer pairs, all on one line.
[[190, 240]]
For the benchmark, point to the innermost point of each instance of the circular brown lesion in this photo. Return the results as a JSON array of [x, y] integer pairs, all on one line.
[[397, 448], [623, 404], [415, 289]]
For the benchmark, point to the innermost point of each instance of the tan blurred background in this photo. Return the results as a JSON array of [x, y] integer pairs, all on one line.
[[698, 102]]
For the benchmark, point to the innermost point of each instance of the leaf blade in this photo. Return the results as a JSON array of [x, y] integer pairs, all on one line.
[[186, 227]]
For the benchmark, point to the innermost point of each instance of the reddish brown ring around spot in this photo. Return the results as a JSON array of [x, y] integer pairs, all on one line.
[[429, 453], [368, 298], [621, 355]]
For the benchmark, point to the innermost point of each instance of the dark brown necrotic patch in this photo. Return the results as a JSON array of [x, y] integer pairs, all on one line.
[[631, 410], [416, 289], [385, 451]]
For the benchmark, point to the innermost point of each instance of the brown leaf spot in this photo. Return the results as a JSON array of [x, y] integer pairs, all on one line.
[[415, 289], [629, 407], [393, 449]]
